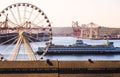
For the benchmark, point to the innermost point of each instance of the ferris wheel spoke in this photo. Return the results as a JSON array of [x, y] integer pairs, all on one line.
[[15, 50], [43, 40], [28, 49], [30, 40], [24, 17], [8, 40], [9, 19], [30, 14], [37, 44], [3, 51], [18, 49], [11, 26], [40, 21], [19, 16], [7, 35], [35, 17], [36, 25], [14, 16], [11, 22], [32, 37]]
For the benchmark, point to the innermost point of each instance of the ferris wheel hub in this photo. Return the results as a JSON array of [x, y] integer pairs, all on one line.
[[22, 33]]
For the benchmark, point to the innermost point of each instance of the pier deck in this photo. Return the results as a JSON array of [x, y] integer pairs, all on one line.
[[60, 68]]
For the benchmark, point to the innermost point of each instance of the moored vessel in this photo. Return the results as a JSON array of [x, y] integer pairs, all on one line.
[[81, 48]]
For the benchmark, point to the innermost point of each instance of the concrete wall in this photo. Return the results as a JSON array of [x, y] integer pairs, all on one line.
[[63, 68]]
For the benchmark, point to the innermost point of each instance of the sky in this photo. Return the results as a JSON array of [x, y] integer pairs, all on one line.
[[63, 12]]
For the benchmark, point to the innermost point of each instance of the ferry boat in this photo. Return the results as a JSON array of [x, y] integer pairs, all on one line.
[[81, 48]]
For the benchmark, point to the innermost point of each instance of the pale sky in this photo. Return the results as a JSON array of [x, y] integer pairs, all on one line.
[[63, 12]]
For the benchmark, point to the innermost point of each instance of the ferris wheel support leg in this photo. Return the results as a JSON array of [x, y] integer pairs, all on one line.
[[15, 51], [29, 49]]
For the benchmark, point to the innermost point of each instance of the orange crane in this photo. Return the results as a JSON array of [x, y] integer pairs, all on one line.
[[76, 29]]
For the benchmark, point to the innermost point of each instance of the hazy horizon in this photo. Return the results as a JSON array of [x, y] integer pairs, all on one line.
[[63, 12]]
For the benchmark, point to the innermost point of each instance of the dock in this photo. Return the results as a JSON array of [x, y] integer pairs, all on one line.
[[54, 68]]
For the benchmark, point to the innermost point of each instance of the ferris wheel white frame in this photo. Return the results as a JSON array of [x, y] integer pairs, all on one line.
[[24, 21]]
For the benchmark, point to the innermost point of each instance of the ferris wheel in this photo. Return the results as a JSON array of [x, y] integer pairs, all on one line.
[[21, 25]]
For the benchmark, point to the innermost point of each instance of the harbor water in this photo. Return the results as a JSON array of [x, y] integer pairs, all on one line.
[[69, 41]]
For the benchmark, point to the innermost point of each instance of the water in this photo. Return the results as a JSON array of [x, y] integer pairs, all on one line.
[[68, 41]]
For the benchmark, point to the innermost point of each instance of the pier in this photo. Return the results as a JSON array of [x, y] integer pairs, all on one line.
[[48, 68]]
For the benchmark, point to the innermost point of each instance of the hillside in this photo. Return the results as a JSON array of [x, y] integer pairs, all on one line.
[[68, 31], [62, 31], [108, 31]]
